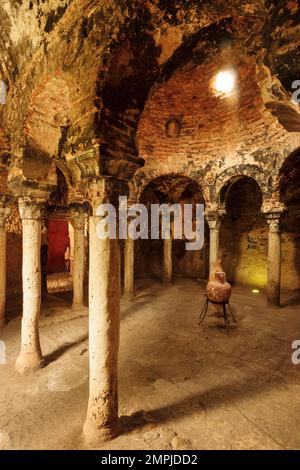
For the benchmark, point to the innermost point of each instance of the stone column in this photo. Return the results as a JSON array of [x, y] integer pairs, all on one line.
[[102, 421], [274, 258], [4, 212], [30, 357], [214, 223], [71, 236], [79, 258], [167, 261], [44, 261], [129, 267], [167, 252]]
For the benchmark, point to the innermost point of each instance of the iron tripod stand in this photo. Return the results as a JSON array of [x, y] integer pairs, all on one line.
[[224, 304]]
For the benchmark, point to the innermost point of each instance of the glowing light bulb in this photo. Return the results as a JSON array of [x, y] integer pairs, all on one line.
[[255, 291], [224, 82]]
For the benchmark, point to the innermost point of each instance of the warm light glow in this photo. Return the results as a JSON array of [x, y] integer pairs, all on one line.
[[224, 82], [255, 291]]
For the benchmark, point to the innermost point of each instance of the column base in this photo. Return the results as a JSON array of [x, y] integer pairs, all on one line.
[[77, 306], [273, 296], [29, 362], [94, 436], [129, 295], [274, 303]]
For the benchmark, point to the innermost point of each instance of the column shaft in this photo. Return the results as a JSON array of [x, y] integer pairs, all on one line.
[[214, 218], [2, 272], [129, 266], [30, 357], [214, 235], [104, 322], [167, 261], [4, 213], [274, 262], [79, 261]]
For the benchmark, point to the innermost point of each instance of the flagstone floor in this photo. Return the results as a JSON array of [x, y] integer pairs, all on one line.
[[181, 386]]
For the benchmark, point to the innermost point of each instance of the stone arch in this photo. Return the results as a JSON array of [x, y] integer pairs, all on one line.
[[48, 117], [142, 179], [286, 167], [232, 174], [244, 230], [162, 186], [288, 194]]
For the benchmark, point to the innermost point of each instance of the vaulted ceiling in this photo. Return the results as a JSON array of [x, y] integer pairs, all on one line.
[[79, 72]]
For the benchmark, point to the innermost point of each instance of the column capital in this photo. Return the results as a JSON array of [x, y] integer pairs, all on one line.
[[31, 208], [5, 211], [214, 218], [273, 221], [106, 190], [78, 214]]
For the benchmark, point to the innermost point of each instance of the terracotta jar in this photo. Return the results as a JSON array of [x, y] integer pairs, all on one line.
[[218, 290]]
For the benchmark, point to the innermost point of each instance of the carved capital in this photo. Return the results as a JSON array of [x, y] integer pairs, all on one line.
[[274, 224], [31, 209], [87, 161], [106, 190], [4, 214], [214, 218], [78, 215]]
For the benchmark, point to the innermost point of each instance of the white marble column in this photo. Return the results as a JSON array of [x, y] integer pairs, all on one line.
[[4, 212], [274, 259], [102, 421], [78, 219], [30, 357]]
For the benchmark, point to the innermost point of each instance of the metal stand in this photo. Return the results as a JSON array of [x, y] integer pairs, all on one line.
[[224, 305]]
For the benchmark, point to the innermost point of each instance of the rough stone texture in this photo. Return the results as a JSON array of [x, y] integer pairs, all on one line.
[[239, 391], [82, 71], [121, 90], [244, 235], [30, 357], [104, 324]]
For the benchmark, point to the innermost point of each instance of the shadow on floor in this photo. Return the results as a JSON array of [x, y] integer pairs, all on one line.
[[227, 394], [63, 349]]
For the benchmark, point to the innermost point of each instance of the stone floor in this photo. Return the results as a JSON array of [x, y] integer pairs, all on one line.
[[181, 386], [59, 282]]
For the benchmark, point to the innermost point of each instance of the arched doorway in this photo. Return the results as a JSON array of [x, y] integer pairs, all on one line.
[[57, 240], [290, 228], [172, 189], [244, 233]]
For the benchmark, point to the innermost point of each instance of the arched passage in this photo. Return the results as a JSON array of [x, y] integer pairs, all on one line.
[[172, 189], [57, 239], [290, 195], [244, 233]]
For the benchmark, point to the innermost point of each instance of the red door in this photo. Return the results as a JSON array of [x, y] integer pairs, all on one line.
[[58, 242]]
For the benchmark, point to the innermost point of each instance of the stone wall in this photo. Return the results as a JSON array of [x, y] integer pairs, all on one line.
[[149, 259], [214, 133], [244, 236], [291, 241]]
